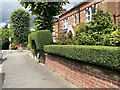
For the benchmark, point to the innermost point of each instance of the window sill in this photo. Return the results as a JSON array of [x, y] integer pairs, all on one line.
[[65, 28]]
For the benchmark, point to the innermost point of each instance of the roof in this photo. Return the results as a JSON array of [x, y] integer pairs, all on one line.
[[77, 5]]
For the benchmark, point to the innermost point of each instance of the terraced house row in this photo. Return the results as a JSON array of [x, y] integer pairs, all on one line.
[[83, 12]]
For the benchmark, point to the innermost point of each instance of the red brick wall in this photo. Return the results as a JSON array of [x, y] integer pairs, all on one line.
[[83, 17], [112, 8], [56, 29], [118, 14], [118, 20], [81, 74]]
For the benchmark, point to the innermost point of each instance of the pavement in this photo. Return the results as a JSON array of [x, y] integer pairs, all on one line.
[[21, 71], [1, 76]]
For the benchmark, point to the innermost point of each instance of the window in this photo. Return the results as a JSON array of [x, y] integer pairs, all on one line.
[[88, 15], [89, 12], [66, 22], [93, 9], [75, 20]]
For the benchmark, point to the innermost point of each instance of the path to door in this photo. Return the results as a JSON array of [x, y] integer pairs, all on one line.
[[20, 71]]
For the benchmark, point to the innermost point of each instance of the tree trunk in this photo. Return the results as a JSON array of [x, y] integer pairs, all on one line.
[[42, 57], [23, 44]]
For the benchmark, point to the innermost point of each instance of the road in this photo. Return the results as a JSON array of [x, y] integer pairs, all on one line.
[[20, 71]]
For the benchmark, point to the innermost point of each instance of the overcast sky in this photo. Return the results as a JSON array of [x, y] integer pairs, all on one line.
[[7, 6]]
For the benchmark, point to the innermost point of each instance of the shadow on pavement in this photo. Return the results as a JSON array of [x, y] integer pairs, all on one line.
[[2, 60], [2, 78]]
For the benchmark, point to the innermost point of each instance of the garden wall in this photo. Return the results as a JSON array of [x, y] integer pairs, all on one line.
[[84, 75]]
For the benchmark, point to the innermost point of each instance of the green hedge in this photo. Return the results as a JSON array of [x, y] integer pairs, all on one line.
[[37, 39], [99, 55]]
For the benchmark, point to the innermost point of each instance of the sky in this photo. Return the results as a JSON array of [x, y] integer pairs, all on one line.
[[7, 6]]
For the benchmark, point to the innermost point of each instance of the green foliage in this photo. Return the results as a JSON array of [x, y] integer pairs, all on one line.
[[64, 39], [41, 23], [99, 55], [81, 27], [28, 45], [115, 37], [102, 26], [20, 22], [82, 36], [5, 38], [38, 39], [97, 31], [5, 27], [44, 12]]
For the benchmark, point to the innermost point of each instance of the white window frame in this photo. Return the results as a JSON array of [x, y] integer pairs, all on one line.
[[66, 22], [89, 16], [93, 7], [75, 19]]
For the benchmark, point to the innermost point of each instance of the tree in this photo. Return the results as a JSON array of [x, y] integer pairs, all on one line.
[[5, 38], [20, 22], [5, 27], [44, 12]]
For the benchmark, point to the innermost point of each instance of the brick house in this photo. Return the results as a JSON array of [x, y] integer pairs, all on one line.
[[83, 11]]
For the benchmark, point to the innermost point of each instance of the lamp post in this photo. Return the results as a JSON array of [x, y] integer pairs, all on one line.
[[9, 36]]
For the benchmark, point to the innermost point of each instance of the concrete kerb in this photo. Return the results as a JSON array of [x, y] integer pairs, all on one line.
[[29, 53]]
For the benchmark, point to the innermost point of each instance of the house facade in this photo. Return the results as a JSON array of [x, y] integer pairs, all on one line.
[[83, 11]]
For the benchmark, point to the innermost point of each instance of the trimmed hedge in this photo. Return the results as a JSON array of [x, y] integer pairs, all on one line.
[[37, 39], [99, 55]]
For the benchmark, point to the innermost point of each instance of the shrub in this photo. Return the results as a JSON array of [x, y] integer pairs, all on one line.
[[65, 39], [99, 55], [101, 25], [38, 39], [115, 38], [81, 27], [82, 37], [97, 31]]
